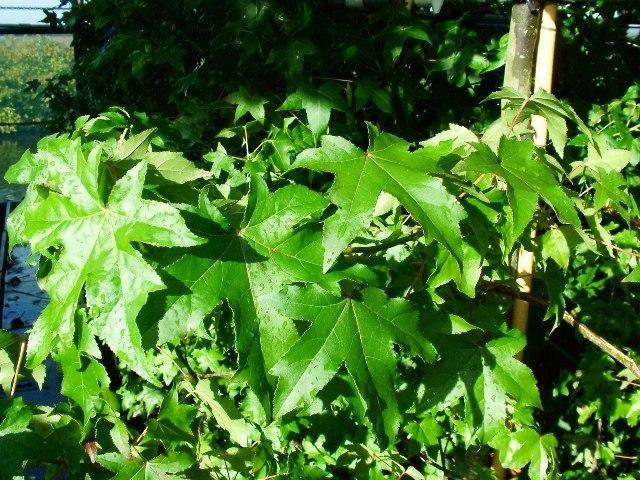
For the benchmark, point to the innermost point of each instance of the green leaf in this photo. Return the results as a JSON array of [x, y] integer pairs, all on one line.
[[247, 102], [8, 359], [135, 146], [159, 468], [546, 105], [241, 263], [83, 380], [487, 377], [365, 91], [428, 431], [174, 420], [526, 446], [357, 332], [387, 166], [449, 269], [317, 103], [170, 166], [96, 255], [226, 415], [611, 190], [174, 167], [527, 178], [555, 283], [15, 417], [634, 276], [558, 244], [7, 369]]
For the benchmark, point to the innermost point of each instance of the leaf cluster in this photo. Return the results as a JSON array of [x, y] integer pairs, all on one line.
[[270, 319]]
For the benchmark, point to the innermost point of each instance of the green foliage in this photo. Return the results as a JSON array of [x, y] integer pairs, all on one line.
[[230, 61], [250, 281], [592, 405], [27, 63], [242, 350]]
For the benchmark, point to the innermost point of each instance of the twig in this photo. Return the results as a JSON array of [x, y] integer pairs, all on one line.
[[427, 459], [21, 358], [627, 382], [417, 276], [384, 245], [626, 457], [217, 375], [634, 222], [475, 183], [517, 115], [619, 249], [600, 342], [141, 436], [246, 141]]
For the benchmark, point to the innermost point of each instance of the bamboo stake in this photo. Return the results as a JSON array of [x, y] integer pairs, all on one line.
[[544, 65], [543, 79], [526, 260], [521, 47]]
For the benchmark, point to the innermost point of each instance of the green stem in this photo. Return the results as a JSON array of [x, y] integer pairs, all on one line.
[[384, 245]]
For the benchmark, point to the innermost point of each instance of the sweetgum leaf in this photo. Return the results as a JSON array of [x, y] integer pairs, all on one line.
[[170, 166], [487, 377], [95, 237], [7, 369], [226, 415], [527, 178], [174, 420], [387, 166], [558, 243], [135, 146], [526, 446], [174, 167], [358, 333], [247, 102], [162, 467], [546, 105], [83, 380], [243, 262], [15, 417], [634, 276], [317, 103], [8, 359]]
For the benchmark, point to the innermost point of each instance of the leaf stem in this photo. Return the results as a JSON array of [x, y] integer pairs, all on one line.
[[384, 245], [517, 115]]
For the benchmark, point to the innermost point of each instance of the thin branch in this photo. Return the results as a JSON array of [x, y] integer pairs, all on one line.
[[626, 457], [517, 115], [619, 249], [141, 436], [634, 222], [384, 245], [417, 276], [216, 375], [21, 358], [600, 342], [246, 141]]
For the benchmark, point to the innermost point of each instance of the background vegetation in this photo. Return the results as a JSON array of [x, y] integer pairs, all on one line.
[[28, 65]]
